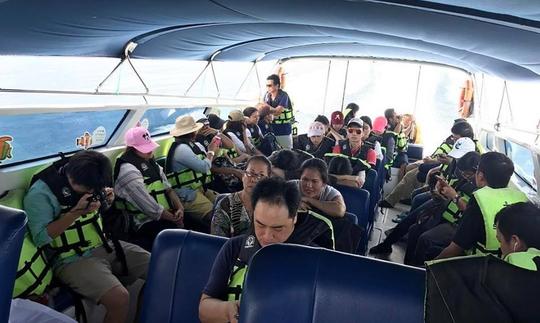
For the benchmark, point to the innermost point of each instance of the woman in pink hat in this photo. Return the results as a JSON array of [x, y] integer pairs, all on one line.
[[143, 190]]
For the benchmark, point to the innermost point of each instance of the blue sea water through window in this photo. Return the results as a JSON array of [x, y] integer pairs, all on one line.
[[28, 137], [161, 121]]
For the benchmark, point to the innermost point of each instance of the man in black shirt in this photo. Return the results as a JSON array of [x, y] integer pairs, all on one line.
[[275, 205], [492, 177]]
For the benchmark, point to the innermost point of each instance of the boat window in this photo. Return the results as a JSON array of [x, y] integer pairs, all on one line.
[[161, 121], [31, 137], [489, 141], [523, 162]]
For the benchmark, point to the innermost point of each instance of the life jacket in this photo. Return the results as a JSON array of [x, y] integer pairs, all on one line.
[[235, 208], [287, 116], [250, 245], [491, 201], [152, 181], [358, 162], [445, 147], [402, 142], [529, 259], [303, 142], [464, 188], [86, 233], [187, 177], [256, 136], [34, 273]]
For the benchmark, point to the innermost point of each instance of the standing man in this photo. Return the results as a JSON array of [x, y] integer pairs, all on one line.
[[280, 105]]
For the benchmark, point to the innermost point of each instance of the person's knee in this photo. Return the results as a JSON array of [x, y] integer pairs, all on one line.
[[117, 298]]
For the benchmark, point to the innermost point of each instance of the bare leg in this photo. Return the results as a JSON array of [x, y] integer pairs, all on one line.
[[116, 301]]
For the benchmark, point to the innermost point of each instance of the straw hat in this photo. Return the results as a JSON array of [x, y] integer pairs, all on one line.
[[185, 125]]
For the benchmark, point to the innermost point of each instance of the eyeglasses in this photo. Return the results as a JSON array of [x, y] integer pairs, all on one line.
[[257, 177], [355, 130]]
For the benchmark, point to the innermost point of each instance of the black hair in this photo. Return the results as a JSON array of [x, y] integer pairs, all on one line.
[[187, 136], [389, 113], [277, 191], [215, 122], [497, 169], [367, 120], [91, 169], [275, 79], [354, 108], [249, 111], [463, 129], [460, 120], [322, 119], [318, 165], [340, 166], [469, 162], [260, 159], [520, 219], [235, 126], [284, 159]]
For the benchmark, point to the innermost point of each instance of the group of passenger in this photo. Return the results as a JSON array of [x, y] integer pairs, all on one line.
[[248, 178]]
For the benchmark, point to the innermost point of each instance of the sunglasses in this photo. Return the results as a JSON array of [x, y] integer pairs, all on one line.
[[353, 130]]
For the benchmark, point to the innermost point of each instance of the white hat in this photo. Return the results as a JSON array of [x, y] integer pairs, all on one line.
[[356, 121], [316, 129], [461, 147]]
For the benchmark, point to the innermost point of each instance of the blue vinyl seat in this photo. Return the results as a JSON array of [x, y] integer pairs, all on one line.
[[12, 230], [289, 283], [179, 268]]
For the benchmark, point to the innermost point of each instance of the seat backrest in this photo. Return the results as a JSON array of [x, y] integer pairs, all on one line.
[[371, 185], [316, 285], [179, 268], [357, 202], [12, 230], [351, 217], [415, 152]]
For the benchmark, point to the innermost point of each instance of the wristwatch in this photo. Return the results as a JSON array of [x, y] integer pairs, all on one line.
[[456, 199]]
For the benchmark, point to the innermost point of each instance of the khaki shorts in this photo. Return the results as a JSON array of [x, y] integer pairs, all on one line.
[[93, 276], [202, 205]]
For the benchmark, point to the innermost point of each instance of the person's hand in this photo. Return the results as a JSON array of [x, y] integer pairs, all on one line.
[[304, 204], [214, 145], [232, 311], [428, 159], [178, 215], [278, 110], [444, 159], [448, 191], [86, 205], [109, 192], [207, 131]]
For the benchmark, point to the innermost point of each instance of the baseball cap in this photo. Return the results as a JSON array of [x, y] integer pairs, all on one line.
[[316, 129], [203, 121], [139, 138], [336, 118], [356, 121], [236, 115], [461, 147]]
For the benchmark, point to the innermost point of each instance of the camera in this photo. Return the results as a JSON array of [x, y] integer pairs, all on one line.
[[101, 196]]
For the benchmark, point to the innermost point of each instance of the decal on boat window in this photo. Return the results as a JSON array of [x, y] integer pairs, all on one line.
[[84, 141], [6, 149], [99, 135], [145, 123]]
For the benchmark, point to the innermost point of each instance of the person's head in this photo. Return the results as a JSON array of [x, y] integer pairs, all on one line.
[[355, 131], [462, 129], [407, 119], [185, 127], [139, 139], [340, 166], [316, 133], [337, 120], [284, 160], [324, 120], [353, 107], [494, 170], [252, 115], [236, 122], [379, 125], [88, 171], [257, 169], [275, 205], [265, 114], [215, 122], [461, 147], [314, 177], [273, 83], [467, 166], [391, 116], [366, 128], [205, 123], [517, 227]]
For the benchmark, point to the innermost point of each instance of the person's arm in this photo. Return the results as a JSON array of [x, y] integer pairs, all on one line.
[[184, 156], [212, 307], [348, 180], [237, 142], [334, 208], [390, 146], [336, 135], [453, 250]]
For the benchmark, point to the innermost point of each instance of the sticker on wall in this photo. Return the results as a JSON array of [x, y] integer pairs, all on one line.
[[145, 123], [84, 141], [6, 148], [99, 135]]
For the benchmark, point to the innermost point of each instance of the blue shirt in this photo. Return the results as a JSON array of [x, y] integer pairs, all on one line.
[[282, 99], [184, 158]]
